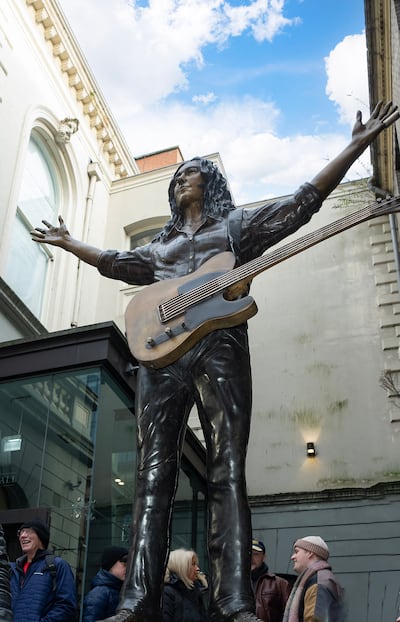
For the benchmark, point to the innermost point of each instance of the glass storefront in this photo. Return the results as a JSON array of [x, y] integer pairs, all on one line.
[[67, 455]]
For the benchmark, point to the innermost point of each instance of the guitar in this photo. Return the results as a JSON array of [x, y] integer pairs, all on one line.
[[167, 318]]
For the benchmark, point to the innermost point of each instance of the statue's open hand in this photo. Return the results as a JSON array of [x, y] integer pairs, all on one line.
[[51, 235], [382, 117]]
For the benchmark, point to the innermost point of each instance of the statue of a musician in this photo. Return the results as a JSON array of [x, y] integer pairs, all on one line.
[[214, 374]]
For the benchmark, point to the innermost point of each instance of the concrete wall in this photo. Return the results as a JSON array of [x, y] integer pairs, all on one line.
[[318, 353]]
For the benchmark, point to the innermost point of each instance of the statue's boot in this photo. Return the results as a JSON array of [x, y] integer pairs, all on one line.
[[127, 615]]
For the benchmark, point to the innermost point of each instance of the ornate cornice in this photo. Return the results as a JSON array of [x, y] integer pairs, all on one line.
[[57, 33]]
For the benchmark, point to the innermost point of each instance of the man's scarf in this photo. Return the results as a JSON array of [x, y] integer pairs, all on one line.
[[292, 606]]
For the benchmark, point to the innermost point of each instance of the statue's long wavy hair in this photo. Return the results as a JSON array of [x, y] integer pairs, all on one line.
[[217, 198]]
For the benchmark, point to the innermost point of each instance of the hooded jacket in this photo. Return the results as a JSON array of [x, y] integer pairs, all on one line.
[[102, 600]]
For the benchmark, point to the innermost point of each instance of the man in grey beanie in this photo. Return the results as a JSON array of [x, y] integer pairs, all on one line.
[[316, 595]]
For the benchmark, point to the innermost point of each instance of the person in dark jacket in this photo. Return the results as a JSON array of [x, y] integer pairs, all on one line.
[[183, 588], [38, 594], [271, 592], [103, 597], [316, 595]]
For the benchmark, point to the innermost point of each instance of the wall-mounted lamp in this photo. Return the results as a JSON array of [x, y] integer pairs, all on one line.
[[311, 451]]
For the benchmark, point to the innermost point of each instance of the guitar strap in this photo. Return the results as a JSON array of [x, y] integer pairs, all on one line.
[[234, 231]]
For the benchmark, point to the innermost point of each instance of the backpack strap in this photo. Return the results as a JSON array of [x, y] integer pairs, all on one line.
[[52, 568]]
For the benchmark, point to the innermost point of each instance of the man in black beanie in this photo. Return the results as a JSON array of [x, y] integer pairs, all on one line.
[[103, 597], [112, 555], [40, 528], [42, 586]]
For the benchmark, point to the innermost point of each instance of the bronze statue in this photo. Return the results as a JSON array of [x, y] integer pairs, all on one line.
[[214, 373]]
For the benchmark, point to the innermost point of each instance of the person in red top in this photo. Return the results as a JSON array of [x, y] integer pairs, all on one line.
[[271, 592], [38, 592]]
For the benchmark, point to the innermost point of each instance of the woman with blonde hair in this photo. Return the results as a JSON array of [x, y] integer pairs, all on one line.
[[183, 588]]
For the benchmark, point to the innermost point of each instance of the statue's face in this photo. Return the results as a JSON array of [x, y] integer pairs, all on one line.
[[189, 184]]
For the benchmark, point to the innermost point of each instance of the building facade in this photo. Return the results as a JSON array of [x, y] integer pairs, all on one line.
[[324, 343]]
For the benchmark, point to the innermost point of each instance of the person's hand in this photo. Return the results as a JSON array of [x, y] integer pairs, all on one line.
[[55, 235], [382, 117]]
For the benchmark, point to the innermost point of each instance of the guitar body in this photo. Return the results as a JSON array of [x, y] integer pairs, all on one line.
[[156, 343]]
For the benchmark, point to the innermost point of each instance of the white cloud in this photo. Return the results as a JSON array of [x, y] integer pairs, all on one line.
[[205, 99], [259, 163], [143, 52], [264, 19], [347, 85]]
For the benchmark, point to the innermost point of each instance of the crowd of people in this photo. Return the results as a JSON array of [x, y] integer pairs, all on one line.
[[40, 587]]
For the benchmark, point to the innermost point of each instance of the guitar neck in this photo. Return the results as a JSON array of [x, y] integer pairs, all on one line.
[[254, 267], [249, 270]]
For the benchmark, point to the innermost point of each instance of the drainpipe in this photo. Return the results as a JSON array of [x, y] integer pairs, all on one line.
[[383, 194], [93, 171]]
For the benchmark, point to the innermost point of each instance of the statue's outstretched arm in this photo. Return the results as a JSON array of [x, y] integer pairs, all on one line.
[[60, 236], [332, 174]]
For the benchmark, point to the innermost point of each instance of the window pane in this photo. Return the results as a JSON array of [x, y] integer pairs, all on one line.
[[139, 239], [27, 262], [65, 440], [26, 267], [37, 200]]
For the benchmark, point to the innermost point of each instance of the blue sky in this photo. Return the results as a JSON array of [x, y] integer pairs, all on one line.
[[272, 85]]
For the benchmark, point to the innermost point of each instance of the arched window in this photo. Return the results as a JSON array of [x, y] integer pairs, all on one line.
[[144, 237], [143, 231], [38, 200]]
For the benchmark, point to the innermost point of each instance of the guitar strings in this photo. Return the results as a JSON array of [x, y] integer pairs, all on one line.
[[174, 307]]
